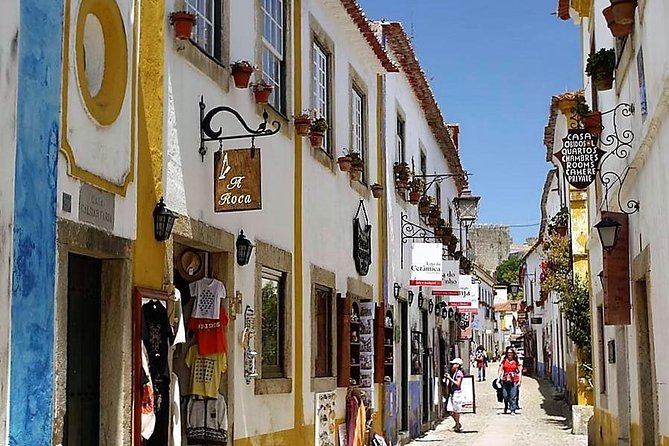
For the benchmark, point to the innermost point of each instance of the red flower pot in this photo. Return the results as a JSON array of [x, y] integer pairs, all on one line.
[[262, 95], [344, 163], [414, 197], [423, 209], [183, 24], [377, 190], [241, 76], [356, 172], [603, 83], [593, 122], [302, 126], [623, 11], [617, 30], [316, 139]]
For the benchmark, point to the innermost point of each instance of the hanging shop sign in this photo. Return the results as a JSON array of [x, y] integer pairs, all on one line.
[[536, 321], [580, 157], [467, 300], [465, 332], [237, 180], [362, 241], [426, 264], [450, 279]]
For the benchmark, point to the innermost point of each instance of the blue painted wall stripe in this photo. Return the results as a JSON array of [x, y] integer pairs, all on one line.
[[33, 284]]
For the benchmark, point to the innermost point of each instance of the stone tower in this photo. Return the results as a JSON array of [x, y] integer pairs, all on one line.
[[490, 245]]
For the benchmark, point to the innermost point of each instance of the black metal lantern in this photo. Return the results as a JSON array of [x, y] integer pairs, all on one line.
[[430, 306], [396, 290], [608, 230], [421, 298], [467, 207], [410, 297], [244, 248], [444, 311], [163, 221], [513, 289]]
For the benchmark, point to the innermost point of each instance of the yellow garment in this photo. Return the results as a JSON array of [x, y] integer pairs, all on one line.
[[205, 372], [360, 426]]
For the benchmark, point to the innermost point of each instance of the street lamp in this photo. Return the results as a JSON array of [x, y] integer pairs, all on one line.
[[410, 297], [244, 248], [396, 290], [163, 221], [514, 288], [467, 207], [608, 230]]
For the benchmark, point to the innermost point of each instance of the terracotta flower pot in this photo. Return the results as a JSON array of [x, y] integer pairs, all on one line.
[[302, 126], [316, 139], [593, 122], [603, 83], [623, 11], [438, 231], [401, 185], [617, 30], [262, 95], [377, 190], [241, 76], [344, 163], [414, 197], [183, 24], [424, 209], [356, 172]]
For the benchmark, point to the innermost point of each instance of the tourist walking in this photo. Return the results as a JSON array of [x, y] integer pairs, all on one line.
[[510, 374], [455, 397], [481, 358]]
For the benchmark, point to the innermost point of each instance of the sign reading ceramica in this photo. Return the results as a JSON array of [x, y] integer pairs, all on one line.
[[580, 157], [237, 180], [96, 206], [426, 264]]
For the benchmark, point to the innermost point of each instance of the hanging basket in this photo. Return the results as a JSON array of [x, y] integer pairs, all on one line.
[[183, 24]]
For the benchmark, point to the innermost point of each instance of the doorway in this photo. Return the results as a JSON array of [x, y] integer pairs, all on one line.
[[427, 387], [645, 366], [404, 367], [82, 416]]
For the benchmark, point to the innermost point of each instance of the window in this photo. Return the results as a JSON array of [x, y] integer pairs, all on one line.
[[437, 192], [207, 30], [273, 61], [323, 306], [401, 149], [273, 296], [358, 122], [423, 163], [321, 78]]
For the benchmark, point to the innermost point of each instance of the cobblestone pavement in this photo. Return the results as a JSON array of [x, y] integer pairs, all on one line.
[[542, 420]]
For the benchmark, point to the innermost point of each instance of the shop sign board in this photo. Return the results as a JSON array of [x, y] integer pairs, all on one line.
[[237, 180], [465, 332], [450, 279], [96, 207], [467, 300], [426, 264], [580, 157], [536, 321]]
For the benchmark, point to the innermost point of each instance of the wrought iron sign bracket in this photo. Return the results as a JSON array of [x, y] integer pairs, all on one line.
[[208, 134], [618, 143], [439, 177], [412, 231]]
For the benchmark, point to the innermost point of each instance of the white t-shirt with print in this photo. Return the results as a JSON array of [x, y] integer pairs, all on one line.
[[208, 294]]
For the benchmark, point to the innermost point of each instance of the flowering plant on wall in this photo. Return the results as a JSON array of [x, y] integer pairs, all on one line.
[[556, 269]]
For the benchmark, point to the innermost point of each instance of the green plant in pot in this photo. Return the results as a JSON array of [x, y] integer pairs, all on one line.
[[415, 190], [302, 123], [317, 132], [357, 165], [592, 121], [600, 68], [344, 161], [424, 206], [560, 222], [402, 175]]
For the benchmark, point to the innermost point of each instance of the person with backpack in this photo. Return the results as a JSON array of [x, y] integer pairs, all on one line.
[[481, 362], [510, 374]]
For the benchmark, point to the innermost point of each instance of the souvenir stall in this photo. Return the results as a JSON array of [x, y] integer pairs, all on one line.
[[181, 358]]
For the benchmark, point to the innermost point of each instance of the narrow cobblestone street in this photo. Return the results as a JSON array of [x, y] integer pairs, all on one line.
[[542, 420]]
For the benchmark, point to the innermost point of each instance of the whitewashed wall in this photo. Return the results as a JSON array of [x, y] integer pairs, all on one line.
[[9, 23]]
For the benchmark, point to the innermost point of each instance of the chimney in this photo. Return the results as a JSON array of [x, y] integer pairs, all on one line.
[[454, 130]]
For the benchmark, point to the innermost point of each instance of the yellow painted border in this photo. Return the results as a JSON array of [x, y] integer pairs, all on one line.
[[106, 105], [73, 169]]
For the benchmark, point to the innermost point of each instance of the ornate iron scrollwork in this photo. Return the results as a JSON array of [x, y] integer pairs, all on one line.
[[412, 231], [618, 143], [208, 134]]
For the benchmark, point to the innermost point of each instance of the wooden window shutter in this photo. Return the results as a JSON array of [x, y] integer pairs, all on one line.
[[343, 340], [617, 308], [378, 343]]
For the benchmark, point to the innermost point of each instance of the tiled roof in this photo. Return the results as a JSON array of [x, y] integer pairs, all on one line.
[[563, 9], [549, 130], [400, 45], [358, 15]]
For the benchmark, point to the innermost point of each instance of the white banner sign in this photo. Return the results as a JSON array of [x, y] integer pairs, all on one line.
[[451, 279], [467, 300], [426, 264]]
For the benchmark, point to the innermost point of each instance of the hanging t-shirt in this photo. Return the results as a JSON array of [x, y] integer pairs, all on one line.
[[207, 421], [210, 333], [208, 294], [205, 372]]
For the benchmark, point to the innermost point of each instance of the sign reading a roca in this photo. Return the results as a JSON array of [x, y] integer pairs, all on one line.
[[237, 180], [580, 156]]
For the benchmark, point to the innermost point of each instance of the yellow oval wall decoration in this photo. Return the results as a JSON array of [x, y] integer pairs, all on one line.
[[106, 105]]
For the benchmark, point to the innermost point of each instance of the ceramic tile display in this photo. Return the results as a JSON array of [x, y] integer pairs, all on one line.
[[367, 348], [325, 419]]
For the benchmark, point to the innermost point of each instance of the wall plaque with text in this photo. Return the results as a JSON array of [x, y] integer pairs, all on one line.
[[96, 206], [580, 156], [237, 180]]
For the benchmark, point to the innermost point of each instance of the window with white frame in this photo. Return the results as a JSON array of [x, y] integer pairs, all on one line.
[[273, 60], [321, 78], [401, 150], [207, 30], [358, 122]]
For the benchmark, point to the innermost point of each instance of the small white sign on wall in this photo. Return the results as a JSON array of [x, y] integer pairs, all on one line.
[[426, 264]]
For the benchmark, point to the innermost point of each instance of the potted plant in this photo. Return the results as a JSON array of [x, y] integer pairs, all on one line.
[[302, 123], [415, 190], [623, 11], [617, 29], [560, 222], [183, 24], [377, 190], [592, 121], [424, 206], [344, 161], [600, 68], [241, 71], [317, 132], [357, 165], [434, 215], [262, 90], [402, 174]]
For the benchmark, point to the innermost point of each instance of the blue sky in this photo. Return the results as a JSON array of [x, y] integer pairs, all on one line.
[[493, 66]]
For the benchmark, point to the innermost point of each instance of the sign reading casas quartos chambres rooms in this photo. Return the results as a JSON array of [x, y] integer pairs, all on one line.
[[580, 156], [426, 264], [237, 180]]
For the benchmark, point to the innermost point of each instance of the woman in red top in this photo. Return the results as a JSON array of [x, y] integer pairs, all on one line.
[[510, 374]]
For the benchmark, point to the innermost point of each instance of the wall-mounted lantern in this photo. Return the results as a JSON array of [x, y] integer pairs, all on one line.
[[608, 230], [244, 248], [410, 297], [396, 290], [163, 221]]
